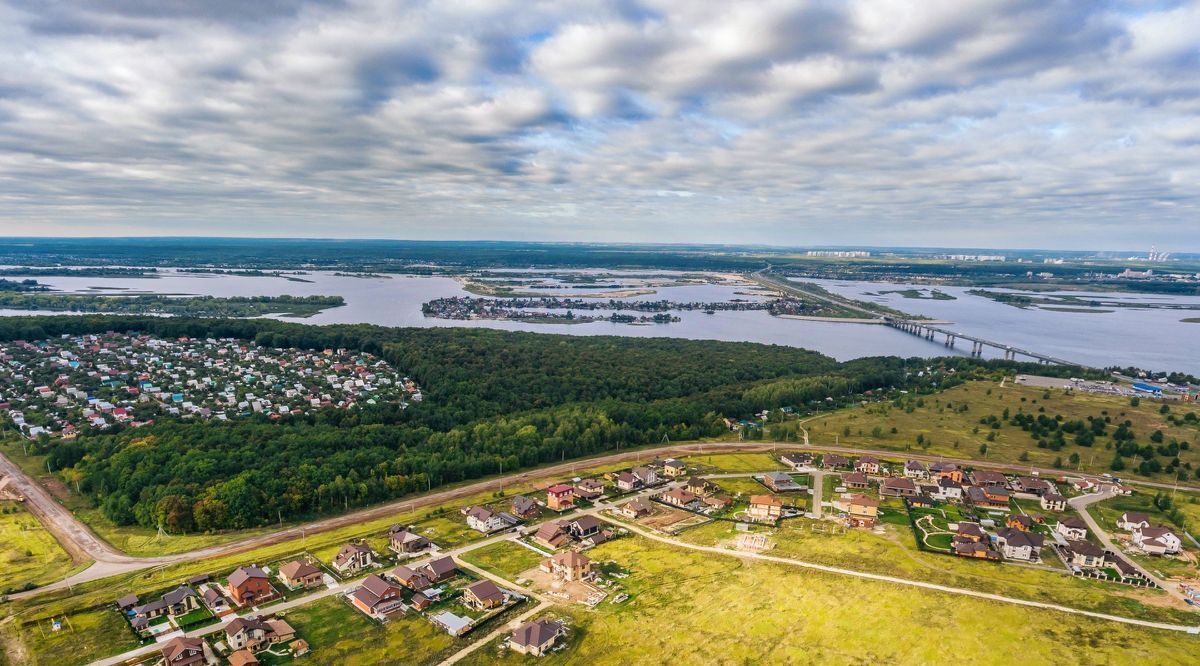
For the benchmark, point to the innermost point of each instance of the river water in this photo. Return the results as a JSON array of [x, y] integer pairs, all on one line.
[[1154, 339]]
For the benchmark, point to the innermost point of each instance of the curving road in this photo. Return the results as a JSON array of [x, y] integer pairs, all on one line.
[[82, 543]]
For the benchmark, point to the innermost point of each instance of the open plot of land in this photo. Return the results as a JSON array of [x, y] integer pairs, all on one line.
[[28, 553], [505, 558], [735, 462], [339, 634], [895, 552], [702, 609], [938, 419]]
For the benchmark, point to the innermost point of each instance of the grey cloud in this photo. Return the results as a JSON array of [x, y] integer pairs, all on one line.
[[784, 121]]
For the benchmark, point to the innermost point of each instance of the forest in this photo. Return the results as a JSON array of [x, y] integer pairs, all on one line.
[[492, 398]]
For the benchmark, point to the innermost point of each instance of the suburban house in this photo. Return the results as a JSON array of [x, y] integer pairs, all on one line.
[[483, 595], [1019, 521], [969, 532], [568, 565], [948, 490], [535, 638], [867, 465], [1019, 545], [525, 508], [246, 633], [974, 549], [780, 482], [1071, 528], [1032, 485], [482, 519], [635, 509], [589, 489], [984, 477], [863, 510], [249, 585], [183, 651], [1054, 502], [215, 601], [560, 497], [764, 508], [352, 558], [627, 482], [834, 461], [679, 497], [698, 486], [856, 480], [1084, 554], [404, 542], [1156, 540], [991, 497], [551, 534], [674, 468], [410, 578], [583, 527], [441, 569], [915, 469], [179, 601], [645, 475], [797, 460], [945, 470], [717, 501], [897, 487], [300, 574], [377, 597], [1131, 520]]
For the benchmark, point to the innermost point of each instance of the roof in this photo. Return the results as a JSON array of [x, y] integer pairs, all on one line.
[[684, 496], [1154, 532], [239, 624], [1073, 523], [178, 594], [769, 500], [775, 476], [549, 530], [442, 566], [1135, 517], [972, 529], [1053, 497], [899, 482], [452, 622], [523, 503], [1085, 548], [243, 574], [855, 477], [480, 513], [585, 523], [1016, 538], [243, 657], [350, 550], [868, 459], [377, 585], [674, 464], [538, 632], [484, 589], [863, 500], [988, 477], [298, 569], [176, 646], [404, 536], [571, 559], [559, 488], [127, 601], [914, 465]]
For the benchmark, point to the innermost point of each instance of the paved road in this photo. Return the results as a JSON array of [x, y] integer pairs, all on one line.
[[899, 581], [1080, 504], [110, 561]]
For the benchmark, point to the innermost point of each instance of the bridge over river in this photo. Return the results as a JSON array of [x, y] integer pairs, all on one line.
[[930, 332]]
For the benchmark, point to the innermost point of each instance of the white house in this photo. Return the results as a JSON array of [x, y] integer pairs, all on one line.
[[915, 469], [1071, 528], [1157, 540], [949, 489], [1019, 545], [1131, 520], [483, 520]]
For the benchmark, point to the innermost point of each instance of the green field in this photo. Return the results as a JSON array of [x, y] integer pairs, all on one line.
[[735, 462], [895, 553], [701, 609], [339, 634], [28, 553], [504, 558], [947, 431]]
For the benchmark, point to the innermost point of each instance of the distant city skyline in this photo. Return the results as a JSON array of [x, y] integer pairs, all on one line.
[[981, 124]]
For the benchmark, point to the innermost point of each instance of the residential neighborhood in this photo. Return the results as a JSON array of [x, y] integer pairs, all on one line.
[[60, 387]]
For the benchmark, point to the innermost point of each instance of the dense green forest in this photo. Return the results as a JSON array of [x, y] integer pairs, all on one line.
[[491, 398], [192, 306]]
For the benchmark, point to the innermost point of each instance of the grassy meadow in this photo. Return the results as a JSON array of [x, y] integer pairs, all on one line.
[[28, 553]]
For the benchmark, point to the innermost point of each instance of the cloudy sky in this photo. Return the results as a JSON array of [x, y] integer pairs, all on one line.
[[933, 122]]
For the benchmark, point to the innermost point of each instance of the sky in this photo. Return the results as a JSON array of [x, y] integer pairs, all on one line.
[[983, 123]]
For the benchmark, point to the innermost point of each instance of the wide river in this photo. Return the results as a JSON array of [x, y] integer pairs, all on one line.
[[1147, 338]]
